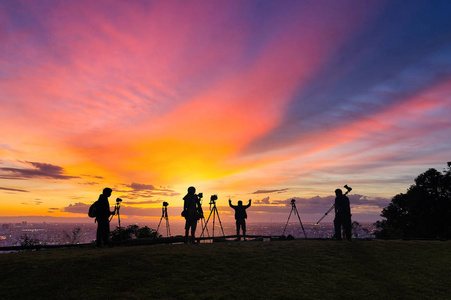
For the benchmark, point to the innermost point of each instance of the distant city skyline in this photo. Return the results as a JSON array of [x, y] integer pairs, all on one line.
[[73, 233], [262, 100]]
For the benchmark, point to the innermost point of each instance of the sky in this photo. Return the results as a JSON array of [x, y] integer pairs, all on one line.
[[262, 100]]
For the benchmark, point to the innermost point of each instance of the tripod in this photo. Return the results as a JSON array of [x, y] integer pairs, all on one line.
[[325, 214], [214, 212], [164, 215], [295, 210], [117, 210]]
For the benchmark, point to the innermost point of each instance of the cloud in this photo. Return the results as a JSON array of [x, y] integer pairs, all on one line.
[[39, 170], [262, 201], [270, 191], [14, 190], [141, 187], [36, 202], [92, 183], [77, 208], [92, 176], [140, 190]]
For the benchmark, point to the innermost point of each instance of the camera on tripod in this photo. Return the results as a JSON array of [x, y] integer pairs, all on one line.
[[215, 213], [118, 205], [294, 210], [200, 195], [165, 204], [213, 198]]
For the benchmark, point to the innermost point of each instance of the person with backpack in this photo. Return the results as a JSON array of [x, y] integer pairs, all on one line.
[[240, 217], [102, 215], [192, 211]]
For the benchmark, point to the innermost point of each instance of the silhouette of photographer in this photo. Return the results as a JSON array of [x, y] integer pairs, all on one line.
[[342, 215], [240, 217], [192, 211], [103, 214]]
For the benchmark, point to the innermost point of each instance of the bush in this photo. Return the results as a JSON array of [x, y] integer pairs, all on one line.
[[133, 232], [28, 241]]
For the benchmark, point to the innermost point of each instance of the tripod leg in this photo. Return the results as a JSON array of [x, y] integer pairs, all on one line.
[[205, 226], [289, 216], [119, 223], [159, 223], [214, 217], [202, 222], [327, 212], [220, 224], [168, 229], [299, 217]]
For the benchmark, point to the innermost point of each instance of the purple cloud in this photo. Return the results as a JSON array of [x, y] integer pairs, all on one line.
[[262, 201], [77, 208], [141, 187], [39, 170]]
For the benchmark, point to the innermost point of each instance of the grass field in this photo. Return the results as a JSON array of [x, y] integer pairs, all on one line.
[[299, 269]]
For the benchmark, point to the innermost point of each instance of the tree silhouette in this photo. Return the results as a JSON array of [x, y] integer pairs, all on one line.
[[423, 211]]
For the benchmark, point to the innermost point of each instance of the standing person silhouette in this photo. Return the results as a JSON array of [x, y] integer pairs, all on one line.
[[103, 214], [342, 215], [240, 217], [192, 210]]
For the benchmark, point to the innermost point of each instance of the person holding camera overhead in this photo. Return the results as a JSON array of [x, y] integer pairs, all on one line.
[[192, 211], [342, 215], [103, 214], [240, 217]]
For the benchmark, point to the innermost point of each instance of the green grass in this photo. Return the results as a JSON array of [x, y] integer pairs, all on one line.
[[300, 269]]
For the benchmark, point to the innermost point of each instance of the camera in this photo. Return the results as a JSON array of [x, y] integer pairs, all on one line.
[[200, 195], [118, 200], [165, 204], [213, 198], [293, 201]]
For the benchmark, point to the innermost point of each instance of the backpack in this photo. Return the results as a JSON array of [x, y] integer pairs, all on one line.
[[93, 210]]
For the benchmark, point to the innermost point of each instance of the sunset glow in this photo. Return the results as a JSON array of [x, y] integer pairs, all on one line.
[[261, 100]]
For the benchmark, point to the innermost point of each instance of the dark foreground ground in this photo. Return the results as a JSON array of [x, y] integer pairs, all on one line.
[[299, 269]]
